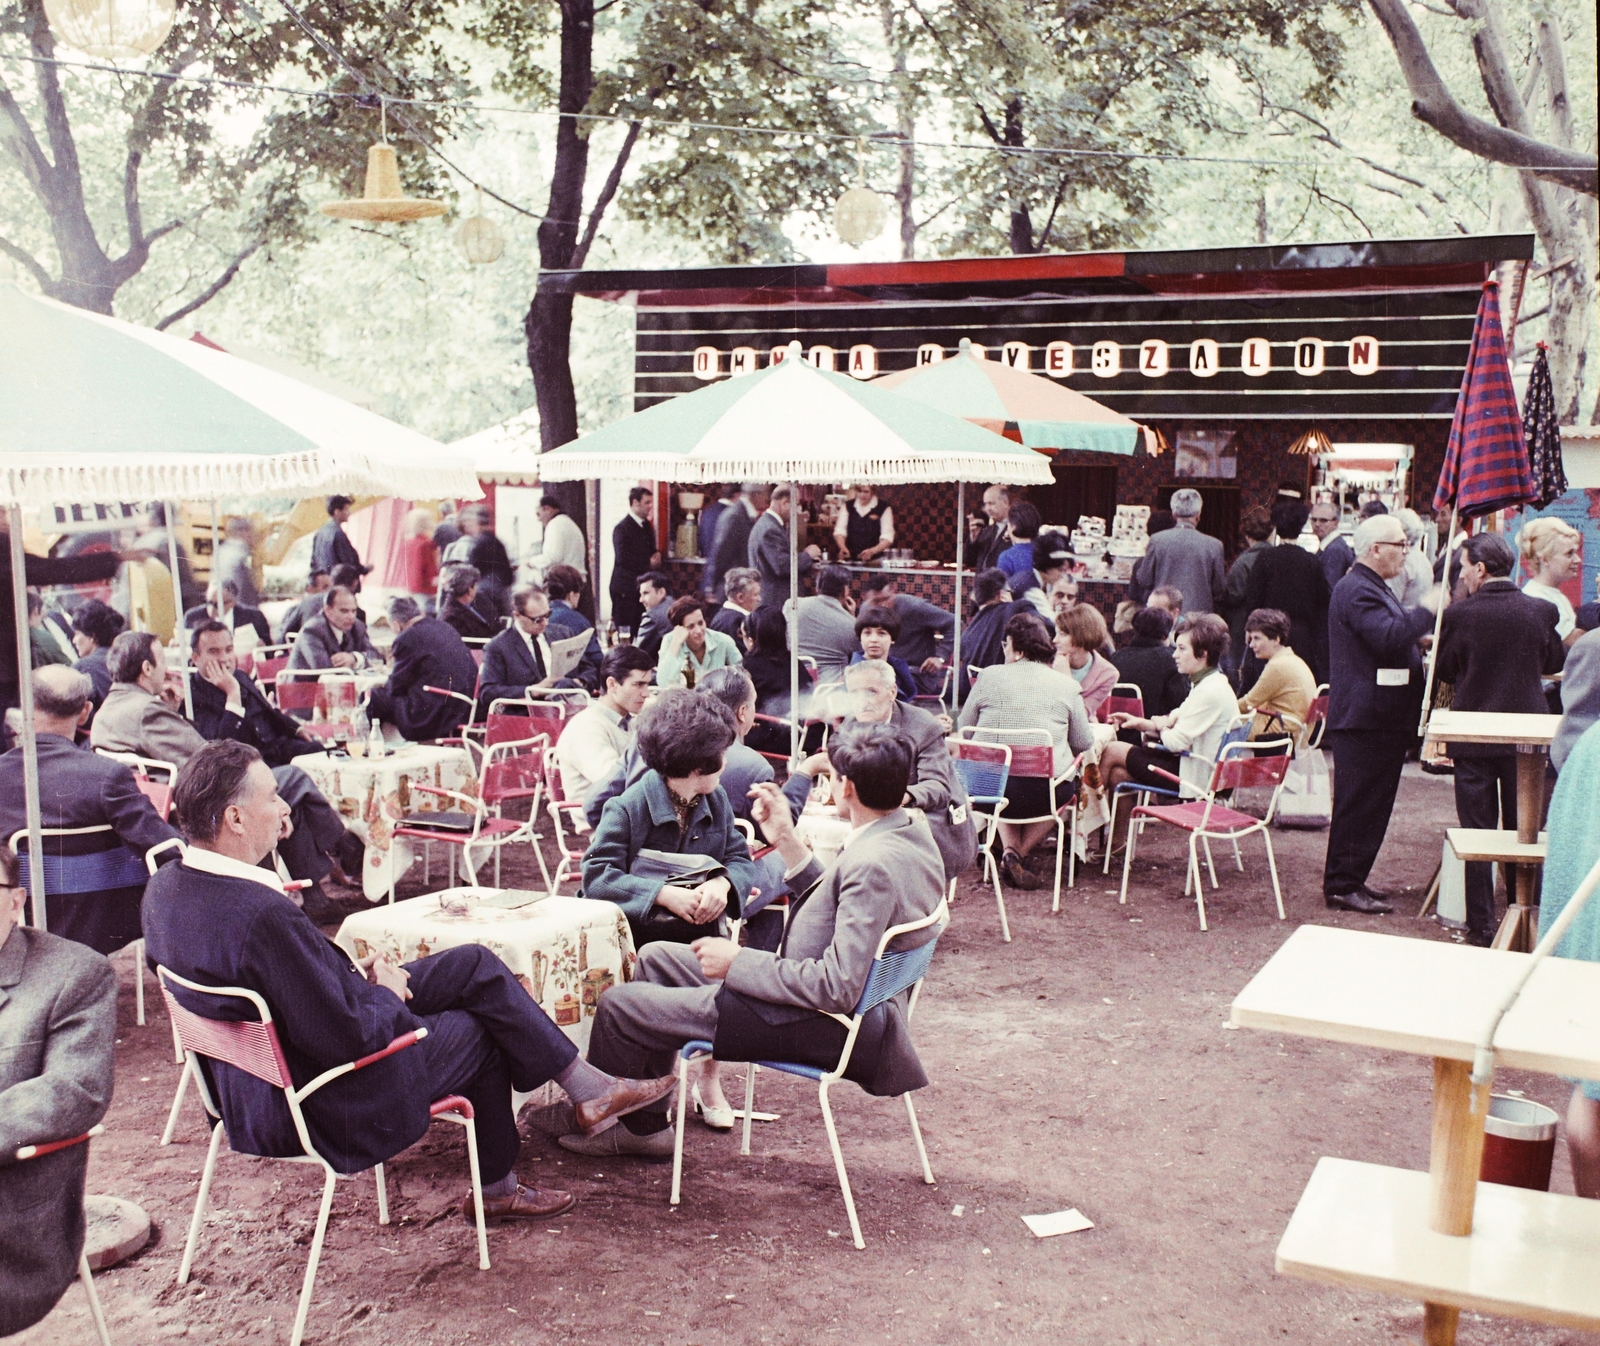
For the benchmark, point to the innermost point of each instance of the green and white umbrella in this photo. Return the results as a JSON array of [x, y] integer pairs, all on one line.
[[791, 422], [96, 410]]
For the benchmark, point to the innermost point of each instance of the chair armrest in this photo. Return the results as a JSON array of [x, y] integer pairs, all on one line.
[[399, 1044], [1154, 771], [51, 1146], [474, 805]]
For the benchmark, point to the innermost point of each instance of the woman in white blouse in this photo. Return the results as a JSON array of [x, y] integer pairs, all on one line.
[[1191, 737], [1551, 555]]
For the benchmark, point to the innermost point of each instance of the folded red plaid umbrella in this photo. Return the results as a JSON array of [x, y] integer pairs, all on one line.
[[1486, 463]]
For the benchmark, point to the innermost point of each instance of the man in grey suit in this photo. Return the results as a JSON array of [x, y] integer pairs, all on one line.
[[769, 550], [1185, 558], [755, 1005], [732, 546], [337, 639], [827, 625], [58, 1020]]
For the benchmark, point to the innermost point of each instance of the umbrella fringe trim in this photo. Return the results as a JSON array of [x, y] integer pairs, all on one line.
[[1007, 469], [45, 483]]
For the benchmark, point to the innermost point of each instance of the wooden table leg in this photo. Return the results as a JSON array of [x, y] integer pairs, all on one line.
[[1454, 1163], [1517, 930]]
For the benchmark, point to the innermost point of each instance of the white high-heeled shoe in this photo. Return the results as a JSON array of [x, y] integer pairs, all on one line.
[[717, 1118]]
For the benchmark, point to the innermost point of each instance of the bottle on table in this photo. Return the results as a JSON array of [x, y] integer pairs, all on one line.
[[375, 743]]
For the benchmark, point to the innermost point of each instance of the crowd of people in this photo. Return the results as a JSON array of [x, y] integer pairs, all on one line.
[[673, 762]]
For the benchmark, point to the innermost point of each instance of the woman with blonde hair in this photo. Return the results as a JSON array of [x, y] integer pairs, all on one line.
[[1080, 632], [1550, 558], [421, 558]]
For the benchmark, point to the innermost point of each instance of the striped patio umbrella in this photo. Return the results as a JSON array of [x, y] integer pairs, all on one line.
[[1040, 412], [1486, 463], [1543, 433]]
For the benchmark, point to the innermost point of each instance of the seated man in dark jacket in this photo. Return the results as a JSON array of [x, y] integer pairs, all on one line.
[[57, 1027], [79, 789], [222, 605], [427, 653], [337, 639], [983, 640], [517, 661], [220, 919], [564, 585], [754, 1005], [460, 583], [94, 626], [1147, 661], [229, 704]]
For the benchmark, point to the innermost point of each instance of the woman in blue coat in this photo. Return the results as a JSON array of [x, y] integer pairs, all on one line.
[[678, 805]]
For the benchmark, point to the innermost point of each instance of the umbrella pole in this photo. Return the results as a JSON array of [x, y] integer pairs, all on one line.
[[794, 624], [177, 598], [961, 554], [214, 540], [30, 745], [1438, 625]]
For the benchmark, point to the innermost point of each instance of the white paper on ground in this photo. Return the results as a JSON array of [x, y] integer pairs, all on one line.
[[1057, 1222]]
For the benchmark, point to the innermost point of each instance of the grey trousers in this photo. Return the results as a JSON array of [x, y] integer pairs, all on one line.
[[640, 1027]]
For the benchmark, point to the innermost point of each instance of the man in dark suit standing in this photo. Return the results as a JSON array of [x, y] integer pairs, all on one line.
[[1494, 647], [732, 548], [633, 551], [222, 605], [995, 536], [754, 1005], [219, 919], [1375, 695], [427, 653], [1333, 552], [79, 788], [331, 546], [769, 550], [58, 1023]]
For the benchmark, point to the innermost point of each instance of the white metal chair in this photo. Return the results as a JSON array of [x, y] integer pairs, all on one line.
[[1237, 767], [984, 769], [85, 1276], [891, 974], [1033, 755], [252, 1046], [569, 856]]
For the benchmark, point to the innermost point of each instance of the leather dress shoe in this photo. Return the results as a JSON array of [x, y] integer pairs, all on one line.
[[619, 1141], [1016, 873], [596, 1114], [1381, 894], [1358, 901], [526, 1203]]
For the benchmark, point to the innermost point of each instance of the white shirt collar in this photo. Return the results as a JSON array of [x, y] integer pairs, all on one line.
[[731, 606], [866, 509], [225, 866]]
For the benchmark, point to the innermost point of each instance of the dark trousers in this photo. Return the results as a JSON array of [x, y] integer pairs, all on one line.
[[1366, 777], [318, 832], [1486, 796], [486, 1037]]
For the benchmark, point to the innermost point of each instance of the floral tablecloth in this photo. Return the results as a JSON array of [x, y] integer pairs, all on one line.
[[373, 794], [566, 951]]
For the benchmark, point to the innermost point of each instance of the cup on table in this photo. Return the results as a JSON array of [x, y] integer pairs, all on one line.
[[356, 746]]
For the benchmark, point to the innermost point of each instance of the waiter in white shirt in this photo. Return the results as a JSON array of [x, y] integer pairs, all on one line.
[[562, 544], [865, 528], [595, 739]]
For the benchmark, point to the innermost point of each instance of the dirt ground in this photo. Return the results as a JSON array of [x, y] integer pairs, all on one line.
[[1089, 1063]]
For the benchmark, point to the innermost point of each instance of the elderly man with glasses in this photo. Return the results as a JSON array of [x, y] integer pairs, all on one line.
[[1375, 696]]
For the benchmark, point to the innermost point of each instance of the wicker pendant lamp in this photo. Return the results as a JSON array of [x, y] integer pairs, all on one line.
[[1312, 442], [111, 30], [480, 237], [383, 199]]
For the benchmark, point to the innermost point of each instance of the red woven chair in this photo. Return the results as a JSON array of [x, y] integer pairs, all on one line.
[[266, 662], [85, 1276], [1121, 700], [253, 1047], [1206, 819], [569, 861], [298, 692]]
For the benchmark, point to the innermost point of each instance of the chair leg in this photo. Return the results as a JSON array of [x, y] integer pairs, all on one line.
[[1209, 865], [477, 1191], [749, 1103], [1127, 858], [323, 1212], [1055, 901], [916, 1134], [497, 865], [1238, 859], [206, 1174], [138, 982], [177, 1104], [87, 1277], [1199, 882], [677, 1143], [1005, 925], [1191, 869], [383, 1194], [1072, 848], [1111, 831], [838, 1163], [1272, 864]]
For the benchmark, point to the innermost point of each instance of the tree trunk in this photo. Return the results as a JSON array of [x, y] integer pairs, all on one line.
[[549, 322], [1021, 232], [905, 189]]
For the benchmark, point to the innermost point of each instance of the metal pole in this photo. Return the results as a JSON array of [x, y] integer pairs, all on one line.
[[177, 598], [214, 540], [1438, 626], [30, 745], [961, 554], [794, 623], [591, 511]]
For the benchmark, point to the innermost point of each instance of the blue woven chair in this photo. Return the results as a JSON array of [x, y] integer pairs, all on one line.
[[891, 974], [984, 769]]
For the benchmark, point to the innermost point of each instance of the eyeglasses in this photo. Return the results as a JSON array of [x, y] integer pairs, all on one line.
[[1402, 544]]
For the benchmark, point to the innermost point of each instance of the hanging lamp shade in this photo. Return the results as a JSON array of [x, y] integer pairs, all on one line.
[[480, 238], [859, 215], [383, 199], [111, 30], [1310, 443]]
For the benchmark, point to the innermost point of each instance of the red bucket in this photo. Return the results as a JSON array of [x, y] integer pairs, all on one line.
[[1519, 1143]]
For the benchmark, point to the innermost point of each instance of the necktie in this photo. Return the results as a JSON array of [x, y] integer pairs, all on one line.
[[624, 722]]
